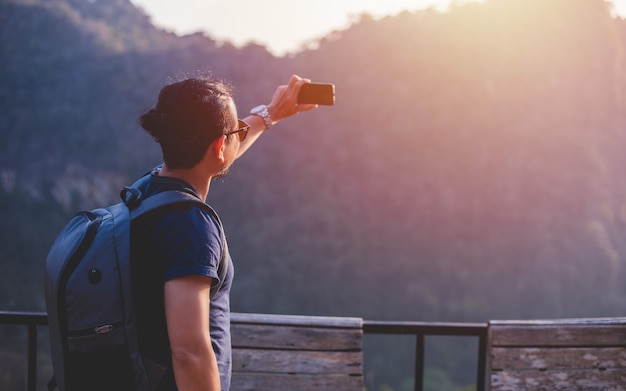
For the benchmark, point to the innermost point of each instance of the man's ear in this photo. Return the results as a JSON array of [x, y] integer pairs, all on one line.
[[218, 147]]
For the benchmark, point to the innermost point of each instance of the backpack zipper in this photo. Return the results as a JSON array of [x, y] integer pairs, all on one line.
[[92, 228], [103, 329]]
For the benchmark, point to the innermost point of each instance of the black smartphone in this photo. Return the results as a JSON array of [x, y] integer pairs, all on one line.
[[317, 93]]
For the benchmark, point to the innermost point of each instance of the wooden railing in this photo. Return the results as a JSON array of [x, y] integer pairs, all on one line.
[[420, 330], [558, 354], [561, 354]]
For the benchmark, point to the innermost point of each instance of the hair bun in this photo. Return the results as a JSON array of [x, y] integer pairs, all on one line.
[[153, 121]]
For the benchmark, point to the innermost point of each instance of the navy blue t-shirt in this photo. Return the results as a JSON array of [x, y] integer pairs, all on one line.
[[172, 242]]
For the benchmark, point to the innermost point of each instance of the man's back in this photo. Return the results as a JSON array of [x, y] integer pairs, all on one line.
[[175, 242]]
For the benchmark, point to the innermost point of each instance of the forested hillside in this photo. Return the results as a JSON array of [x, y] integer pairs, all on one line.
[[472, 168]]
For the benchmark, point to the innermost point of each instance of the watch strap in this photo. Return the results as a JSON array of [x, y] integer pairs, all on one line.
[[264, 113]]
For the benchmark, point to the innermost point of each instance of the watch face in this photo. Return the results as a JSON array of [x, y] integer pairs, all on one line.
[[258, 110]]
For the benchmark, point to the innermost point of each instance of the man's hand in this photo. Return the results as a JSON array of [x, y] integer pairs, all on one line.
[[284, 104], [285, 100]]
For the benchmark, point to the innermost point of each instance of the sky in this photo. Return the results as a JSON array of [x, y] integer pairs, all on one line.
[[282, 26]]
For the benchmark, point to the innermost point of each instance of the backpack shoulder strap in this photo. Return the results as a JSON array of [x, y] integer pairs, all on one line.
[[140, 206]]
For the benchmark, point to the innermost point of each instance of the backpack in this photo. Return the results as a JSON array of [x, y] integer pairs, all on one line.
[[93, 331]]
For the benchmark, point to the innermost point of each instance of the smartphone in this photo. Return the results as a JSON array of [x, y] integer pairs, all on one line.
[[317, 93]]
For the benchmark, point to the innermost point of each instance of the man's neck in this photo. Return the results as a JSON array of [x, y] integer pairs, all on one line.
[[193, 176]]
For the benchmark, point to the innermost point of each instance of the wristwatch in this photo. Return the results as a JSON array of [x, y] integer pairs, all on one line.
[[262, 112]]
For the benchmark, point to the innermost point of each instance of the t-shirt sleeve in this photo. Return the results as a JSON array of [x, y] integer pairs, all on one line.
[[192, 244]]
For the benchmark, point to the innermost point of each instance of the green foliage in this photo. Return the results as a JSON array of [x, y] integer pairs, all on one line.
[[470, 170]]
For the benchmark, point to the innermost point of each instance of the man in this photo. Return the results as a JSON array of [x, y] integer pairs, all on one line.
[[181, 300]]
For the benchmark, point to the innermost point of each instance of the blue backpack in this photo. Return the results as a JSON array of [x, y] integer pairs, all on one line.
[[93, 331]]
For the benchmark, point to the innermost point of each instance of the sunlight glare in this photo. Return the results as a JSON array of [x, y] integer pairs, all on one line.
[[281, 25]]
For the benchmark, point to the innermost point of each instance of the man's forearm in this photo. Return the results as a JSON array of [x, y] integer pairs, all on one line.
[[196, 370], [187, 306], [257, 127]]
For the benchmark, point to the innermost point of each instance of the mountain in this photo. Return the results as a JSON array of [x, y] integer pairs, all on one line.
[[471, 168]]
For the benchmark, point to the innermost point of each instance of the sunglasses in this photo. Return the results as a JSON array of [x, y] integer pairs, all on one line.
[[242, 131]]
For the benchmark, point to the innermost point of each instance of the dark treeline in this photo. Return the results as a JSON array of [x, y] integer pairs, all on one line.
[[470, 170]]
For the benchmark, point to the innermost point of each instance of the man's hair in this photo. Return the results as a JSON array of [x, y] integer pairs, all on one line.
[[187, 118]]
